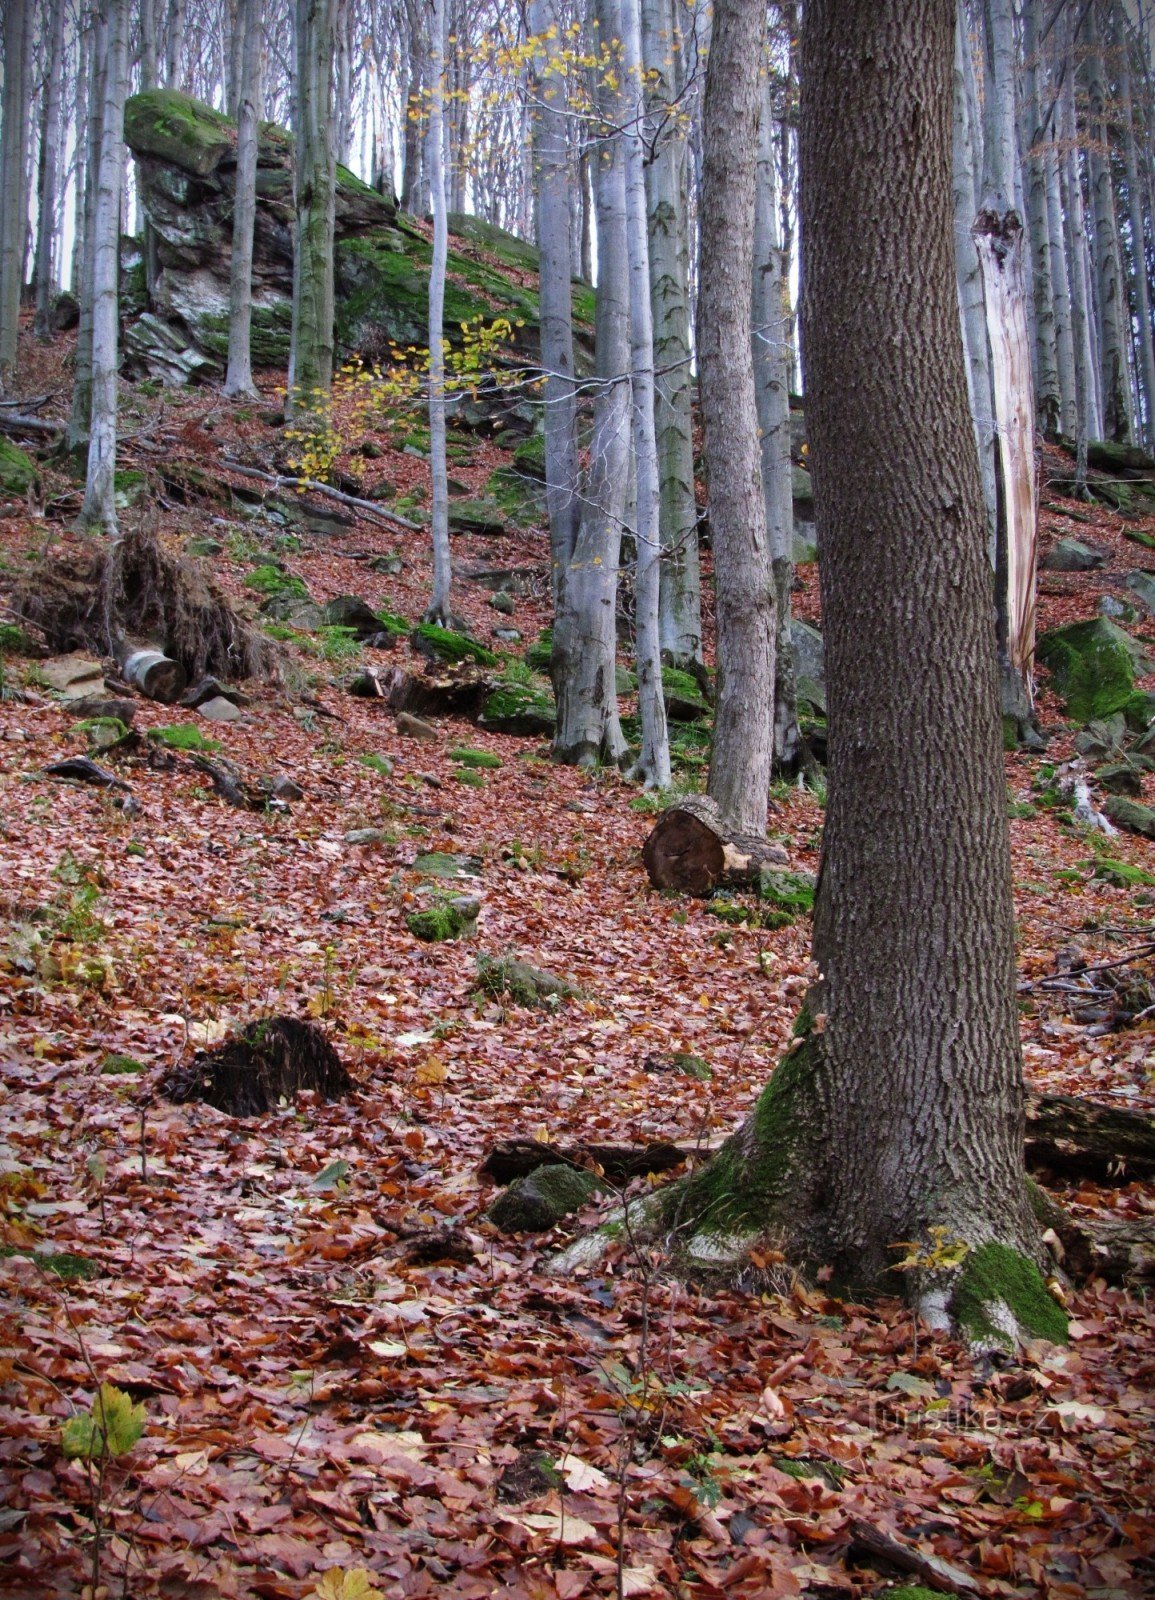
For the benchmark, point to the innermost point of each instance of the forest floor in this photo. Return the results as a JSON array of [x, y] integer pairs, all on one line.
[[364, 1373]]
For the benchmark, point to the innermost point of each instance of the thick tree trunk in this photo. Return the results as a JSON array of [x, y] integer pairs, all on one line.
[[1048, 398], [551, 160], [1087, 418], [771, 357], [44, 273], [99, 506], [900, 1116], [94, 48], [13, 153], [239, 378], [1145, 334], [653, 766], [1112, 309], [439, 602], [741, 757], [311, 349], [585, 630], [667, 199]]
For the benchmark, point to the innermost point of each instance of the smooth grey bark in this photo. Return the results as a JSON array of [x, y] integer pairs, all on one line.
[[176, 18], [239, 377], [311, 347], [99, 506], [1000, 98], [439, 601], [551, 159], [1060, 288], [771, 350], [966, 163], [917, 1095], [653, 765], [343, 80], [1110, 296], [741, 756], [13, 192], [1048, 396], [667, 199], [149, 43], [96, 52], [1140, 288], [51, 135], [585, 630], [1088, 421]]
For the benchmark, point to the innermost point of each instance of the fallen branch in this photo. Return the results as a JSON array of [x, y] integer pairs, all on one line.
[[1080, 1138], [932, 1570], [517, 1158], [367, 508], [17, 422], [30, 405]]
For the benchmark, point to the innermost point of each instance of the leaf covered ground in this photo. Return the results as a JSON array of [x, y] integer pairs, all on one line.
[[341, 1364]]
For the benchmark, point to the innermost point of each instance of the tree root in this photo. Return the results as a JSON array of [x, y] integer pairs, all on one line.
[[265, 1063]]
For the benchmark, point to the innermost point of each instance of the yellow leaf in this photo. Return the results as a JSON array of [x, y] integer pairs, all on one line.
[[431, 1070], [347, 1583]]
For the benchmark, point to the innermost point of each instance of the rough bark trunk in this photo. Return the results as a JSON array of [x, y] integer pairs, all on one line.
[[439, 602], [311, 348], [771, 357], [902, 1111], [551, 160], [13, 151], [1048, 398], [99, 505], [44, 274], [741, 756], [653, 765], [239, 378], [667, 198], [1112, 310], [585, 632]]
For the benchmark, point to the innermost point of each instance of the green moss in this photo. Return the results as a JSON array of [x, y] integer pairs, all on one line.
[[1139, 711], [17, 469], [440, 864], [788, 891], [120, 1066], [506, 977], [270, 334], [102, 730], [519, 498], [175, 128], [519, 709], [273, 580], [529, 457], [448, 919], [912, 1591], [542, 1198], [1122, 874], [472, 780], [1092, 666], [996, 1273], [392, 623], [64, 1265], [376, 763], [447, 645], [539, 654], [466, 756], [802, 1467], [14, 641], [182, 736]]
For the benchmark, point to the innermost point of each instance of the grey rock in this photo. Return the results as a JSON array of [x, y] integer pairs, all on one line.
[[1073, 555], [219, 710], [1117, 610], [809, 663], [539, 1201], [411, 727], [365, 836], [1142, 586]]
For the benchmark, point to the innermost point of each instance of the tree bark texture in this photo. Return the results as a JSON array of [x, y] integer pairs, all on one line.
[[52, 129], [239, 377], [311, 349], [1141, 292], [585, 631], [439, 606], [654, 760], [99, 506], [93, 52], [1087, 415], [667, 199], [1114, 380], [741, 756], [918, 1090], [13, 151], [1048, 398]]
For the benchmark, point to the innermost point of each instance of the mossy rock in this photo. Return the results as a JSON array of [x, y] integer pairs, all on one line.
[[510, 250], [1000, 1298], [539, 654], [1130, 815], [270, 334], [521, 499], [467, 756], [14, 641], [519, 709], [121, 1066], [540, 1200], [1122, 777], [61, 1263], [1123, 874], [441, 864], [448, 646], [177, 129], [505, 977], [1103, 737], [480, 518], [683, 696], [271, 580], [529, 456], [1092, 666], [182, 736], [1105, 455], [1139, 711], [788, 891], [17, 469], [447, 919]]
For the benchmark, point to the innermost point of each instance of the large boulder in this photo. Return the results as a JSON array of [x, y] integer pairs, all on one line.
[[1092, 665], [1072, 555], [185, 155], [17, 469], [809, 664]]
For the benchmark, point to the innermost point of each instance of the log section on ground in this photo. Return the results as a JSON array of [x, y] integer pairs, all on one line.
[[270, 1060], [517, 1158], [1080, 1138], [691, 849]]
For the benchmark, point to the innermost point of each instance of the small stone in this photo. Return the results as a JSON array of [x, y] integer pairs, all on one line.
[[1117, 610], [219, 710], [1142, 586], [365, 836], [285, 789], [74, 676], [508, 635], [504, 602], [388, 564], [411, 727], [1130, 815]]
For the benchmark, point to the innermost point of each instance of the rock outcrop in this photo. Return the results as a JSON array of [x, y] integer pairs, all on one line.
[[185, 155]]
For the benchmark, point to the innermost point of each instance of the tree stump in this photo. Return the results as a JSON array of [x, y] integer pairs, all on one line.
[[151, 671], [692, 850]]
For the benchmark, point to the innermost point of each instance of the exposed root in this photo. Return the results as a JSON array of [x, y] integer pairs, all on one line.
[[267, 1062], [135, 588]]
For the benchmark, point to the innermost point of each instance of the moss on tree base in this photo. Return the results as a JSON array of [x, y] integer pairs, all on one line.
[[1000, 1298]]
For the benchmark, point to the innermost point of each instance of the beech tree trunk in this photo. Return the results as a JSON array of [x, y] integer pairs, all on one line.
[[1142, 298], [1087, 418], [439, 607], [741, 756], [311, 348], [44, 273], [667, 199], [1048, 398], [585, 630], [93, 56], [1112, 308], [99, 506], [903, 1110], [13, 153], [239, 378]]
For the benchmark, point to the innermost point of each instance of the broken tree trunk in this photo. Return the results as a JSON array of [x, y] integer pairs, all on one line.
[[1079, 1138], [692, 850], [152, 672], [270, 1060]]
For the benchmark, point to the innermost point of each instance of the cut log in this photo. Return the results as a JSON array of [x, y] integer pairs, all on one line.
[[151, 672], [693, 851], [517, 1158], [1082, 1139], [456, 691]]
